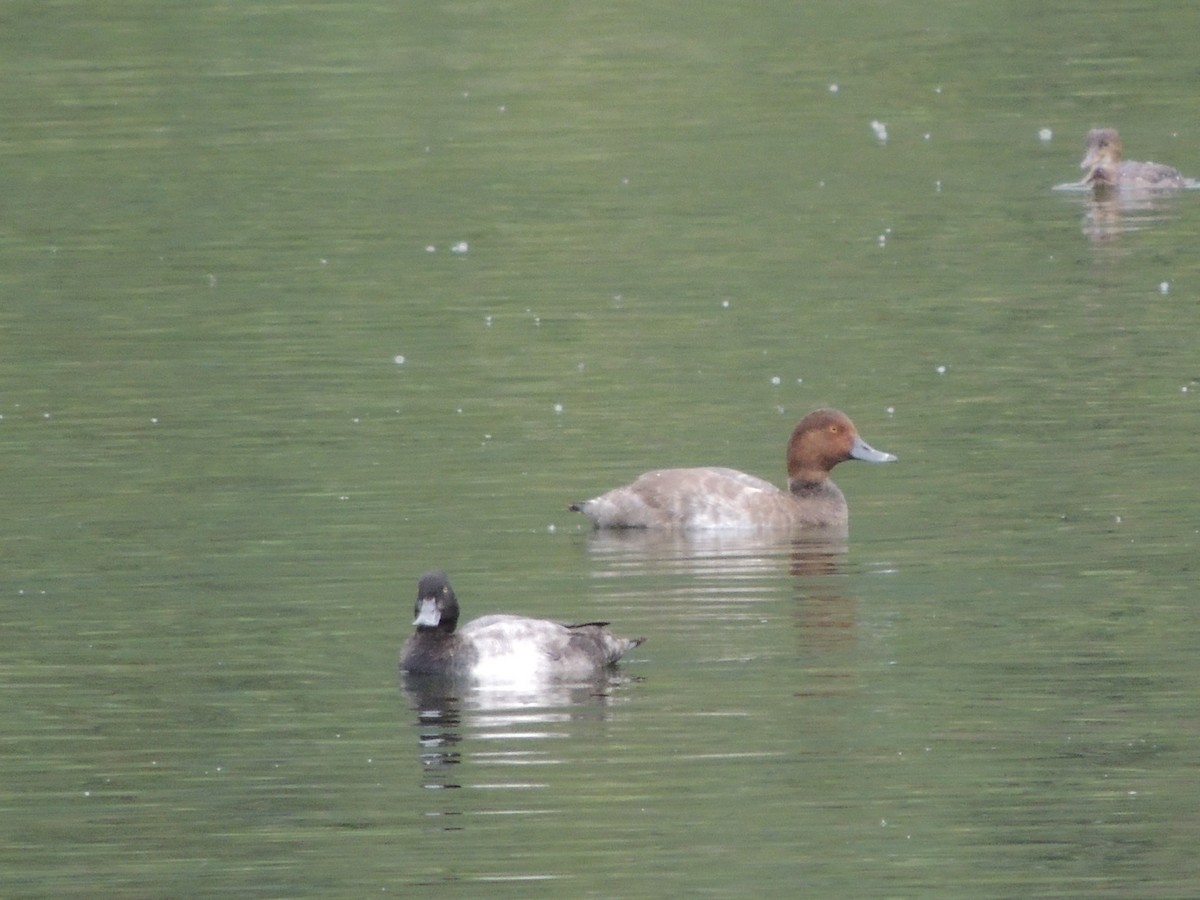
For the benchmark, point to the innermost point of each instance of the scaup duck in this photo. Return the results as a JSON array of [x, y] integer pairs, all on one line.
[[715, 497], [1106, 169], [502, 648]]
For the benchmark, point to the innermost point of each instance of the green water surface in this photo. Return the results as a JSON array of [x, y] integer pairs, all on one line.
[[298, 300]]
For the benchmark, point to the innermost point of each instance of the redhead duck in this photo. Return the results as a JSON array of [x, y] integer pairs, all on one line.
[[715, 497], [502, 649], [1106, 169]]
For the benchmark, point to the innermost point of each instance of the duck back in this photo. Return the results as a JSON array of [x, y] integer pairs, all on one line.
[[715, 497], [515, 647], [1149, 175]]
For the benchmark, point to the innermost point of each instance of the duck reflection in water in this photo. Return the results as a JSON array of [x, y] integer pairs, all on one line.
[[1109, 214], [467, 727], [724, 555], [452, 706], [733, 578]]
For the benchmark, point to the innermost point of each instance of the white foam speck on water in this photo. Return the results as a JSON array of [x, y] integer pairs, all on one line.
[[833, 88], [460, 248], [880, 130], [1045, 135], [398, 359], [1164, 287], [941, 370]]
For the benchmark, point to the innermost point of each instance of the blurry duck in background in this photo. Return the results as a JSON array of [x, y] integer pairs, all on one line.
[[1106, 168]]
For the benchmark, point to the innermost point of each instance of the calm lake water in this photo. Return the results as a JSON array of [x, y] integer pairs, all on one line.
[[301, 300]]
